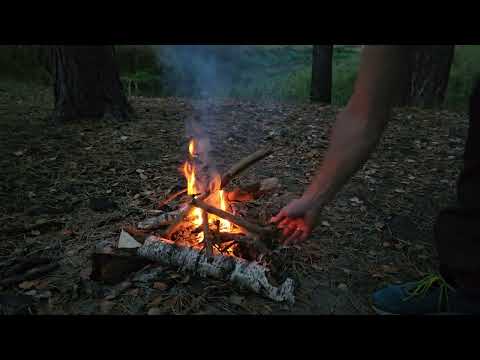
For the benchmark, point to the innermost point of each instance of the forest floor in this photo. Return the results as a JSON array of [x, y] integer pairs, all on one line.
[[377, 231]]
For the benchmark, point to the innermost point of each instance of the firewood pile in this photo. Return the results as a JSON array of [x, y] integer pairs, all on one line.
[[209, 233]]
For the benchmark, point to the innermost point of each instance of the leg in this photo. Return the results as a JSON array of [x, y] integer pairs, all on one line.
[[457, 230], [457, 237]]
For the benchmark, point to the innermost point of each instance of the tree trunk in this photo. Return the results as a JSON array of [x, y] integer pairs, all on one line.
[[429, 70], [87, 84], [321, 88]]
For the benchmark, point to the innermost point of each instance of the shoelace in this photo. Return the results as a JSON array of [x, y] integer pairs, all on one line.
[[426, 284]]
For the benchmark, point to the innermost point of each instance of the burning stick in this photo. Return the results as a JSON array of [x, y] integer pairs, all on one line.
[[226, 178], [179, 218], [172, 197], [206, 234], [252, 228], [250, 275], [244, 164]]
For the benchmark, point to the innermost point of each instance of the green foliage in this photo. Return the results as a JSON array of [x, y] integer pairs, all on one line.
[[25, 63], [465, 70], [277, 72]]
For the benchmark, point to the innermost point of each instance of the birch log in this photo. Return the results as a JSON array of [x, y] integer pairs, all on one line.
[[248, 275]]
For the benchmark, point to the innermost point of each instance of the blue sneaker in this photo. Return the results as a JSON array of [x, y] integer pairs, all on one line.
[[431, 295]]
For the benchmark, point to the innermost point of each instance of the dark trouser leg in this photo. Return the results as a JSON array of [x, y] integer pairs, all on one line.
[[457, 230]]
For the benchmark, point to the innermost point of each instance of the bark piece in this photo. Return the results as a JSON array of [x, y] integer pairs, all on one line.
[[249, 275], [113, 268], [126, 241]]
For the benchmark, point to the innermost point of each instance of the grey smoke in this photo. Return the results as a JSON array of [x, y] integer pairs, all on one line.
[[200, 72]]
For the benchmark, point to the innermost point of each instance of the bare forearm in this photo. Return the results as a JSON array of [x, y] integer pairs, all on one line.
[[359, 127]]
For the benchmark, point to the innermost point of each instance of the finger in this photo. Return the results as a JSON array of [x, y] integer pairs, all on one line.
[[305, 235], [290, 229], [295, 237], [280, 216], [284, 223]]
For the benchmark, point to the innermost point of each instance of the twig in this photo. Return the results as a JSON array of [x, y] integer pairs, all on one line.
[[30, 274], [243, 164], [25, 264], [206, 234], [172, 197]]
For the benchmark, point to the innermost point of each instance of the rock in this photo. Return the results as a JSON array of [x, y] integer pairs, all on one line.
[[102, 204]]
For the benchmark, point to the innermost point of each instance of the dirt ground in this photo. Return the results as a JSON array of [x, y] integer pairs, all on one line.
[[378, 230]]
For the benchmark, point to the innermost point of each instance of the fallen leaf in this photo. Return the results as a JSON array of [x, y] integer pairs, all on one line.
[[154, 311], [133, 292], [85, 273], [18, 153], [236, 299], [42, 285], [143, 177], [185, 280], [123, 138], [342, 287], [157, 301], [26, 285], [106, 307], [160, 285]]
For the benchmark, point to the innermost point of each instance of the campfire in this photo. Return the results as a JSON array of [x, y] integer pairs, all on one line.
[[205, 233]]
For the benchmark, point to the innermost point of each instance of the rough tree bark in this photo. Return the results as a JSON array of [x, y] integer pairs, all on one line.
[[321, 87], [429, 70], [87, 84]]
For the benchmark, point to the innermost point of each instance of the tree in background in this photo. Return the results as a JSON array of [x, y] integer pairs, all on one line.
[[429, 70], [87, 84], [321, 86]]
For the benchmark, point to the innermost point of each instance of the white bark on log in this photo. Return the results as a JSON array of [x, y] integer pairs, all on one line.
[[158, 221], [127, 241], [245, 274]]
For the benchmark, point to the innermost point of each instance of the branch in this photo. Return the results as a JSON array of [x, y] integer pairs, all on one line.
[[206, 234], [172, 197], [30, 274], [252, 228], [243, 164]]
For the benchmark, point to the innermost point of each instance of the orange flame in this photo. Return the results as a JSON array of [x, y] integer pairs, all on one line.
[[217, 198]]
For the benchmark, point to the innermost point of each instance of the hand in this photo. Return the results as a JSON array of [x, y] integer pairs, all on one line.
[[298, 219]]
